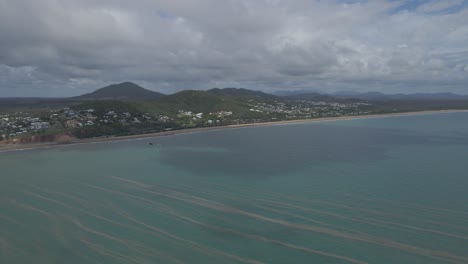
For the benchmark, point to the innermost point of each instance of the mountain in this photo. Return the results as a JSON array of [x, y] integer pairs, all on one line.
[[433, 96], [400, 96], [200, 101], [122, 91], [311, 97], [371, 96], [294, 92], [239, 92], [239, 100]]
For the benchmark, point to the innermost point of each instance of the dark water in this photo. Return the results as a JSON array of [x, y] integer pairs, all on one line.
[[381, 190]]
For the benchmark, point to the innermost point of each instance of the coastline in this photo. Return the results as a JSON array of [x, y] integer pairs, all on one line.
[[23, 147]]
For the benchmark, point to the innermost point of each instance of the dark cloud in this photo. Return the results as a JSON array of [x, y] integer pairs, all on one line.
[[60, 48]]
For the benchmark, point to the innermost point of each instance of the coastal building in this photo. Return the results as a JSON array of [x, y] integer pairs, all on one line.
[[222, 113], [90, 117], [40, 125], [73, 124], [183, 113]]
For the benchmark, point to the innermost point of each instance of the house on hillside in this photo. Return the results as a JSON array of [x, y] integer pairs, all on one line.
[[39, 125]]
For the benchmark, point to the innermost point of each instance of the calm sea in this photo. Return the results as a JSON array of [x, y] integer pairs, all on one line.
[[378, 190]]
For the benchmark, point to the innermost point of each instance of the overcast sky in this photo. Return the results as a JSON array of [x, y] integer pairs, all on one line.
[[69, 47]]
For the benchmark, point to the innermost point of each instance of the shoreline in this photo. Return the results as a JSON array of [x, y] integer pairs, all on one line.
[[23, 147]]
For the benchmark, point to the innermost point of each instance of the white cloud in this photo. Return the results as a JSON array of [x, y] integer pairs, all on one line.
[[79, 45], [438, 5]]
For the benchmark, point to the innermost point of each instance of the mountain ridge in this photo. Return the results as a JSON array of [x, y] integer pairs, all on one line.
[[121, 91], [231, 91], [373, 95], [134, 92]]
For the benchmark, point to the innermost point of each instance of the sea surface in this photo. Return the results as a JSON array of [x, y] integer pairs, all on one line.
[[376, 190]]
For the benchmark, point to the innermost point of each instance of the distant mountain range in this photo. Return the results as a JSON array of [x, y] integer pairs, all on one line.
[[128, 91], [400, 96], [311, 96], [372, 95], [239, 92]]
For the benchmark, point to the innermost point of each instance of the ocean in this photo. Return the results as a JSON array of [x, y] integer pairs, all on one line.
[[374, 190]]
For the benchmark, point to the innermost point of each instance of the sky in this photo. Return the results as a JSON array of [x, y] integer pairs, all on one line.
[[56, 48]]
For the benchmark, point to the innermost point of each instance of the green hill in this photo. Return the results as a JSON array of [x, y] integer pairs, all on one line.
[[122, 91], [196, 101], [240, 92]]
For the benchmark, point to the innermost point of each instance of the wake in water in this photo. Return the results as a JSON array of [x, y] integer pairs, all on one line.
[[116, 228]]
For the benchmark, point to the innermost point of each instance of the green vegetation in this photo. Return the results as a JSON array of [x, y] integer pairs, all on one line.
[[123, 91], [129, 109]]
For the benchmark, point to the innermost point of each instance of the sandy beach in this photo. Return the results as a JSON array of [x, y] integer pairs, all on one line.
[[23, 147]]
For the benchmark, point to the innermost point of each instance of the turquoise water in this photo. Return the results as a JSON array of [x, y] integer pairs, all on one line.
[[380, 190]]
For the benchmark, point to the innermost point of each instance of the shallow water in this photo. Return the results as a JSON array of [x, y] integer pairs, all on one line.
[[378, 190]]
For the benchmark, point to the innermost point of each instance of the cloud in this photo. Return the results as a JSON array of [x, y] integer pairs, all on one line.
[[59, 48], [439, 5]]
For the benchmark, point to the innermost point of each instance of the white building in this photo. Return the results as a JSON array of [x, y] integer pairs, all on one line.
[[39, 125]]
